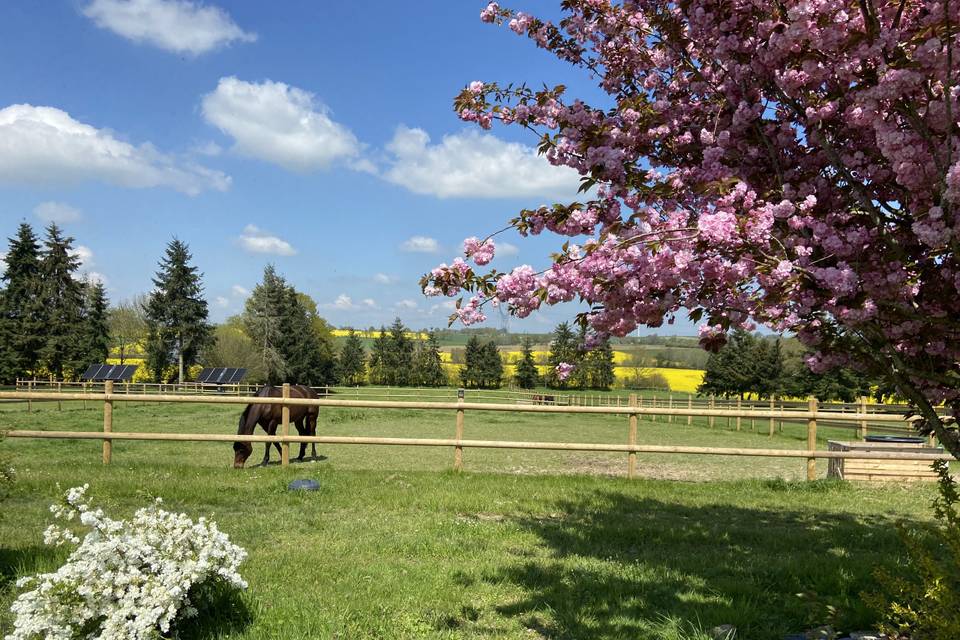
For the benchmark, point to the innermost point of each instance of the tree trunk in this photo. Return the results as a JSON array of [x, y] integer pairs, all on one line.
[[180, 357]]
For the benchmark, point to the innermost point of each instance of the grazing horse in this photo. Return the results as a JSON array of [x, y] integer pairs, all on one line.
[[269, 416]]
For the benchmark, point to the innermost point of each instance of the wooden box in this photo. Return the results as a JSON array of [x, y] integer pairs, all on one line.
[[882, 470]]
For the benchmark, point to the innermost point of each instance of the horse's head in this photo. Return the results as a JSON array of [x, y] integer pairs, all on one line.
[[242, 450]]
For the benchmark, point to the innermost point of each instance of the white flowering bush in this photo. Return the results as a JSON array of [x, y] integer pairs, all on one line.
[[126, 579]]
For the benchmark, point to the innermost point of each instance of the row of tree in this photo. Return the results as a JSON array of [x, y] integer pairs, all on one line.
[[750, 364], [52, 321]]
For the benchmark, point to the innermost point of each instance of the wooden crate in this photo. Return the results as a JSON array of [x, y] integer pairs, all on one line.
[[881, 470]]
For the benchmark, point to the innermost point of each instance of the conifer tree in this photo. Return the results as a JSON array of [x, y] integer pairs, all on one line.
[[398, 362], [261, 320], [527, 376], [563, 348], [280, 322], [352, 367], [491, 366], [470, 374], [62, 297], [97, 330], [176, 313], [378, 358], [21, 307], [601, 366], [429, 367]]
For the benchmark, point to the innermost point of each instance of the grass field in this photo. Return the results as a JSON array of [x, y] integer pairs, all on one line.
[[524, 545]]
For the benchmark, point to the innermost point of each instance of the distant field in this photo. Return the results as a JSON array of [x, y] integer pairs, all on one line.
[[524, 545]]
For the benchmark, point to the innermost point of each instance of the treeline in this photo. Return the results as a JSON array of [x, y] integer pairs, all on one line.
[[52, 322], [754, 365]]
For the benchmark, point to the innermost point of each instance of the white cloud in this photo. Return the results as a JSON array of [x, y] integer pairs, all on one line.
[[222, 302], [406, 304], [383, 278], [84, 254], [180, 26], [420, 244], [44, 145], [256, 240], [472, 164], [239, 292], [208, 148], [346, 303], [96, 277], [56, 212], [506, 250], [278, 123]]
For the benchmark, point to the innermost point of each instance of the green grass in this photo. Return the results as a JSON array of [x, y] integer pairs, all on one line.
[[394, 545]]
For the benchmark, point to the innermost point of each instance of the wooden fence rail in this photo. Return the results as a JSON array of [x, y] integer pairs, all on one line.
[[811, 416]]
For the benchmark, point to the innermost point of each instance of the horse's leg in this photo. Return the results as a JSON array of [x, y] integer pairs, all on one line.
[[271, 430], [312, 430], [303, 445]]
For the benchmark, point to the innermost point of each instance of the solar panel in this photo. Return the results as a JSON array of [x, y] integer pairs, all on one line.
[[221, 375], [115, 372], [89, 373]]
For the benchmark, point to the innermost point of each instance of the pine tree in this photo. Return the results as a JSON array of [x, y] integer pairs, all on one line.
[[398, 362], [21, 307], [429, 367], [62, 297], [601, 366], [352, 369], [378, 358], [281, 324], [491, 366], [97, 330], [176, 313], [563, 348], [261, 320], [527, 376], [471, 373]]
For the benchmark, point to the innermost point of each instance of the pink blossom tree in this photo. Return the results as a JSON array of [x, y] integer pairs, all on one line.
[[788, 162]]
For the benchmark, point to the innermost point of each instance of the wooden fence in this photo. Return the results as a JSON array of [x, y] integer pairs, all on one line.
[[662, 400], [633, 410]]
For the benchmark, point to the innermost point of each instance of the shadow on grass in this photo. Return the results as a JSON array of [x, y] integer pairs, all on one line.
[[221, 612], [26, 561], [616, 566]]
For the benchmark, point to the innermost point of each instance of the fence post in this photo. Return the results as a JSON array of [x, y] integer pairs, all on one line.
[[863, 423], [812, 439], [107, 420], [713, 404], [632, 439], [739, 406], [670, 405], [772, 408], [690, 407], [780, 425], [86, 390], [29, 400], [285, 427], [458, 436], [653, 403], [59, 390]]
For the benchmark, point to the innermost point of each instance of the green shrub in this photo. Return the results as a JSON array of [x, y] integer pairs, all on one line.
[[923, 598]]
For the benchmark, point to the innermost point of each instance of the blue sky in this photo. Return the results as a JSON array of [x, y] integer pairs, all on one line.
[[316, 136]]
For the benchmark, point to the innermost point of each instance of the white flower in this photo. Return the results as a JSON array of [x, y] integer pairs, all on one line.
[[133, 578]]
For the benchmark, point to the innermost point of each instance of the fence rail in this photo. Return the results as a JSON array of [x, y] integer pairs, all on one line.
[[633, 410]]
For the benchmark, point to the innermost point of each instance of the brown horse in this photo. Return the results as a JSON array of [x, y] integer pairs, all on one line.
[[269, 416]]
